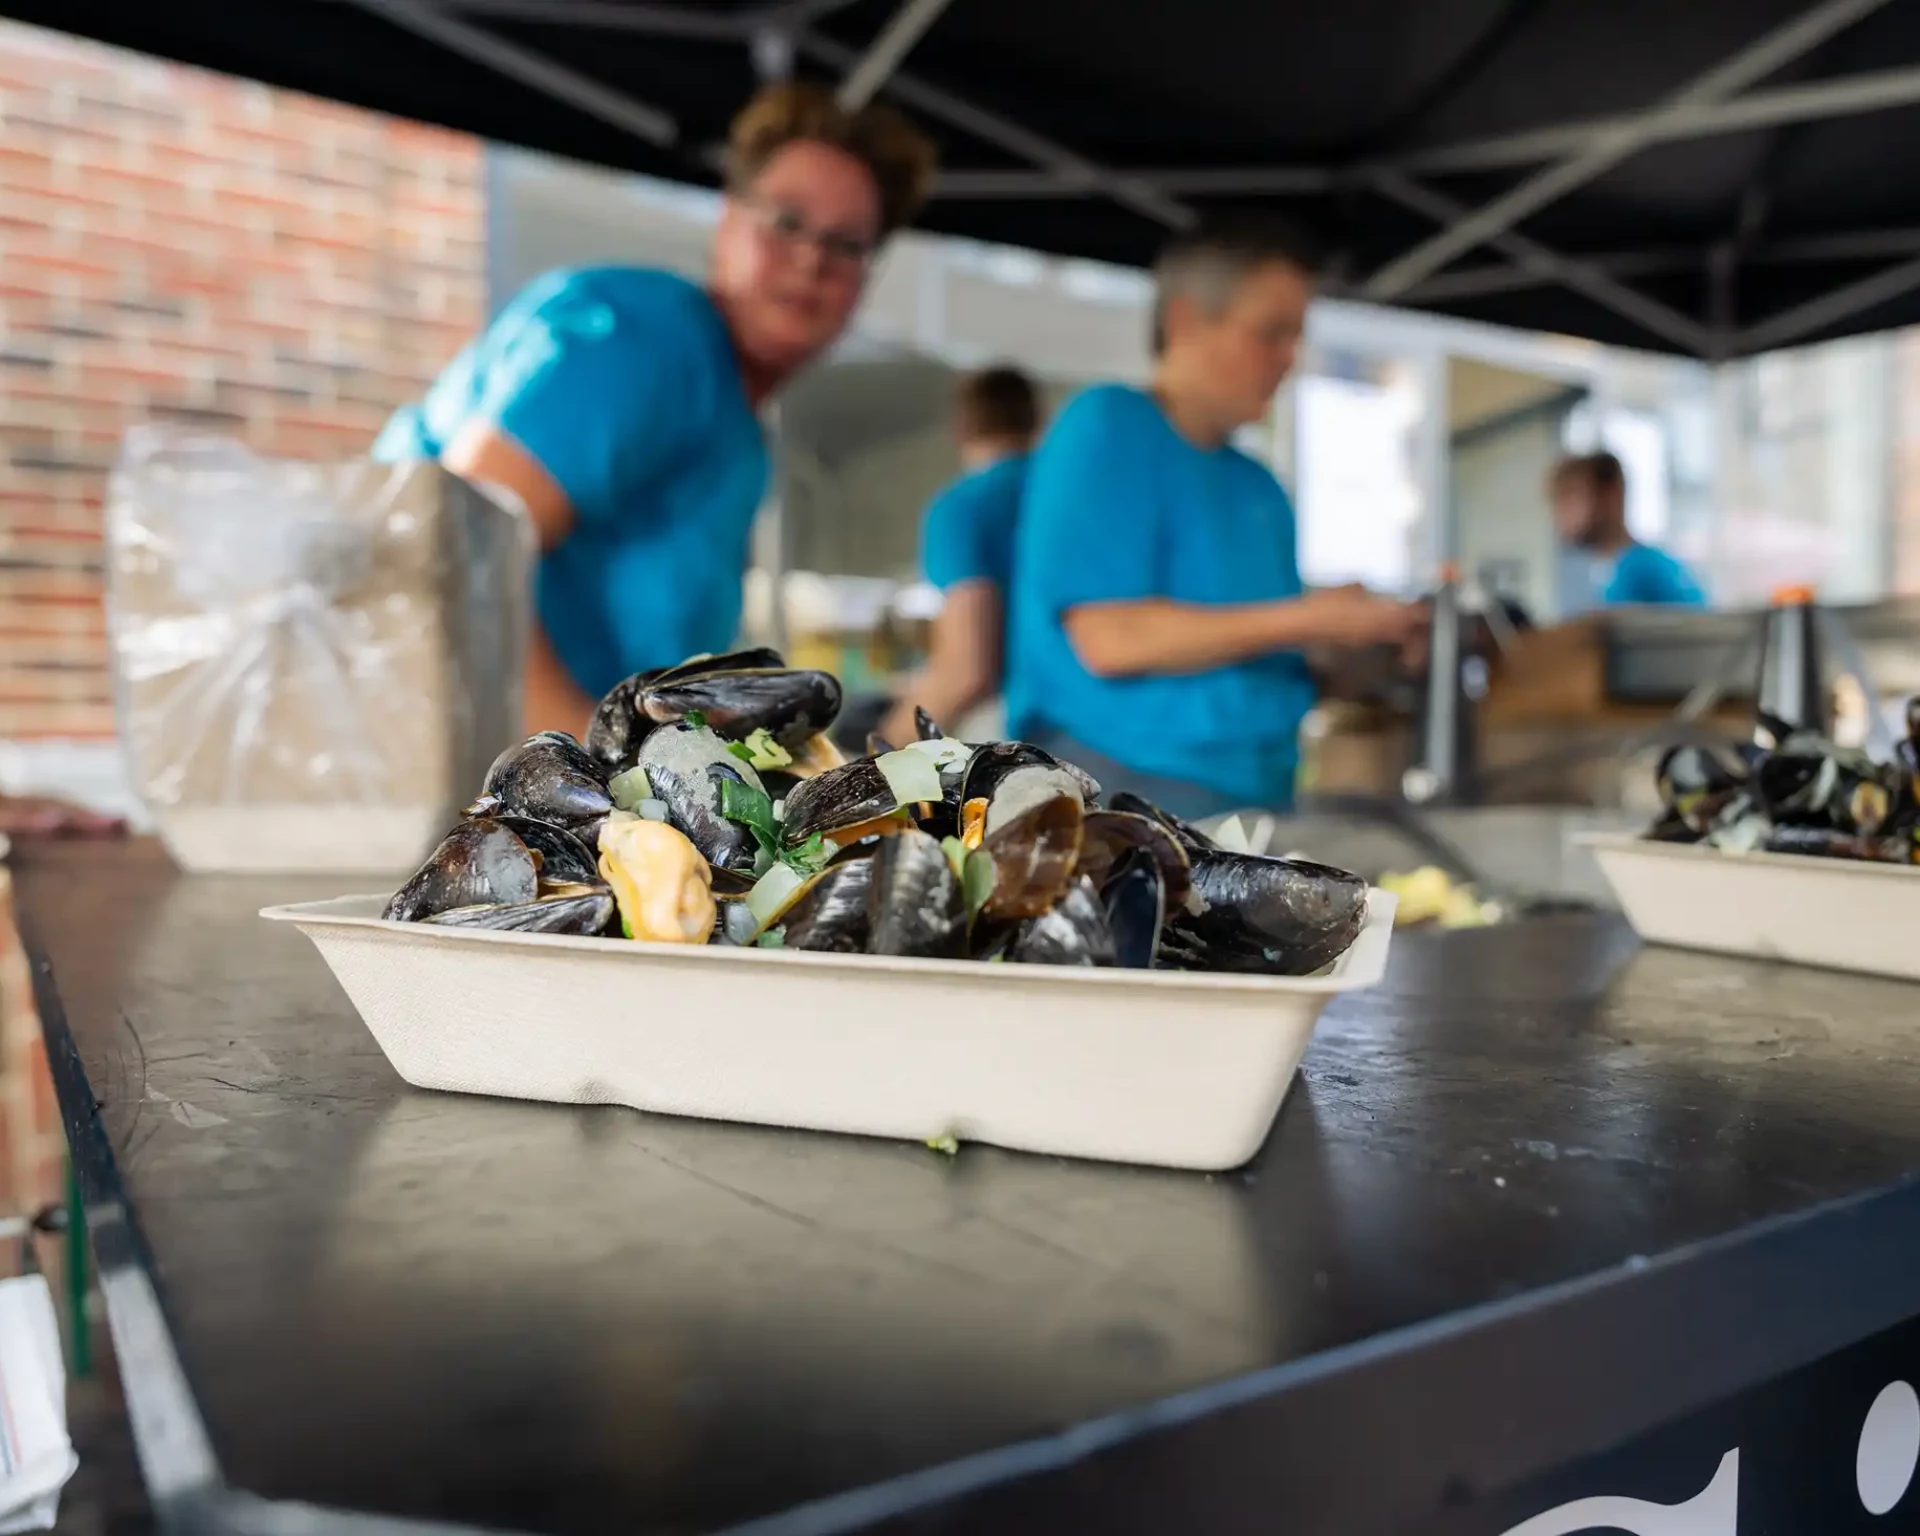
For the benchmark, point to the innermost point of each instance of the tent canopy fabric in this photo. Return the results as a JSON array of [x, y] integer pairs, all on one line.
[[1710, 177]]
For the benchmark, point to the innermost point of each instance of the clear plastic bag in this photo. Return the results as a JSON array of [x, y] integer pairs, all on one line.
[[314, 663]]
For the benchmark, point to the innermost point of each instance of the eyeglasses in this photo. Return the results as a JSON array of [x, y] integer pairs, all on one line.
[[789, 226]]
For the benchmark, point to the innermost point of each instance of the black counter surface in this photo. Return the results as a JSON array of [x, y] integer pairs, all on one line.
[[1542, 1191]]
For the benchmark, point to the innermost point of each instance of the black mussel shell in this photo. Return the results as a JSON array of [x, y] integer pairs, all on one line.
[[830, 802], [579, 912], [758, 659], [1671, 829], [877, 745], [924, 724], [549, 777], [618, 726], [1076, 931], [1834, 843], [1034, 859], [563, 856], [479, 863], [684, 765], [914, 902], [1112, 835], [1696, 782], [1014, 776], [830, 913], [1191, 836], [1135, 897], [1283, 917], [794, 706]]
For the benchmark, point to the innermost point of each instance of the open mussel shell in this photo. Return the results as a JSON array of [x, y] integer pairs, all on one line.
[[1283, 917], [481, 862], [562, 856], [1135, 897], [927, 727], [548, 777], [829, 913], [580, 911], [914, 902], [618, 726], [1015, 776], [1113, 835], [836, 802], [1034, 859], [1188, 834], [1075, 931], [792, 705], [1696, 782], [684, 765]]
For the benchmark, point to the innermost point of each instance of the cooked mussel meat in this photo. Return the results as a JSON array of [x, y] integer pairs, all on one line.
[[548, 777], [1012, 777], [662, 884], [481, 862], [685, 766], [1252, 912], [1074, 931], [915, 905]]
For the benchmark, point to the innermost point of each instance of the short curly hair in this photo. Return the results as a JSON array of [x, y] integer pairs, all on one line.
[[900, 158]]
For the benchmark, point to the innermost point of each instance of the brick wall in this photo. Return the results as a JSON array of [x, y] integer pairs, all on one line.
[[179, 245]]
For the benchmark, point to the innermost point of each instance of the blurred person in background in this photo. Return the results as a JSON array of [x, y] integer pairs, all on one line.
[[1609, 566], [1158, 613], [620, 404], [966, 550]]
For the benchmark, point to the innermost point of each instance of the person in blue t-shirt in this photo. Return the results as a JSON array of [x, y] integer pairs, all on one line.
[[1611, 567], [966, 550], [620, 404], [1158, 612]]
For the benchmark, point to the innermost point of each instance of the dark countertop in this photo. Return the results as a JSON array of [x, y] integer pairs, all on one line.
[[1542, 1191]]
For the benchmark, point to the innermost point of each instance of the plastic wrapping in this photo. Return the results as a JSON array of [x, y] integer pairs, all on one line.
[[314, 663]]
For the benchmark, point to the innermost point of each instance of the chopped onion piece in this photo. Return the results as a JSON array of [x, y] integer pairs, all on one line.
[[944, 750], [771, 892], [1231, 836], [913, 776], [629, 788], [651, 809]]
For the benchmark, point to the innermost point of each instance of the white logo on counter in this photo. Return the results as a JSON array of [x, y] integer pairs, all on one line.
[[1883, 1468]]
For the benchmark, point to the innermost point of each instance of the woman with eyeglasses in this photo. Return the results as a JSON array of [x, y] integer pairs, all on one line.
[[621, 404]]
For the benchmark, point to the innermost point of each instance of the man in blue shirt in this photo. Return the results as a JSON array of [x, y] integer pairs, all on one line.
[[1610, 567], [1158, 612], [966, 550], [620, 405]]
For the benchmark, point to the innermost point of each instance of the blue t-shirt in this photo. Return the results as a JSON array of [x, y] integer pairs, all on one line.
[[1119, 506], [1644, 574], [967, 534], [623, 383]]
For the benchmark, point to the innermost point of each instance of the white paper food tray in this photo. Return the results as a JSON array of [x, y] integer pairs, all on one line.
[[1843, 914], [1165, 1067]]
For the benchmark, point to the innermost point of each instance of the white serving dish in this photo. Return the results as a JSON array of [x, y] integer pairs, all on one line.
[[1838, 913], [1161, 1067]]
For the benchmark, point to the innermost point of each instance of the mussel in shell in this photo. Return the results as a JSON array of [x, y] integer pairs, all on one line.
[[548, 777], [577, 910], [1034, 859], [618, 726], [685, 765], [915, 905], [560, 855], [481, 862], [830, 911], [1112, 836], [839, 803], [1012, 777], [791, 705], [1074, 931], [1135, 896], [1696, 782], [1189, 835], [1283, 917]]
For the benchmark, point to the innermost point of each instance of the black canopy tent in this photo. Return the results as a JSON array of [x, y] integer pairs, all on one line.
[[1714, 177]]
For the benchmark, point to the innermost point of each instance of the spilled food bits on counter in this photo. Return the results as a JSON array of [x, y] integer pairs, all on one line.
[[947, 1144], [1428, 895]]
